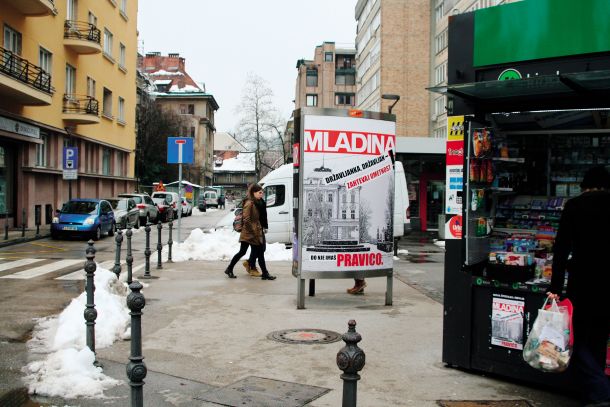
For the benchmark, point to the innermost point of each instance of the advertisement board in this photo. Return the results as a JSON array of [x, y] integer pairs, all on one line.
[[347, 184], [454, 177]]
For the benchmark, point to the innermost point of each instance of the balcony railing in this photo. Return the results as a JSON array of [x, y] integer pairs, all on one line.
[[80, 104], [79, 30], [23, 70]]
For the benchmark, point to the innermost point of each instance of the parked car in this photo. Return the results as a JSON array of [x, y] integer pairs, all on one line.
[[89, 217], [164, 201], [148, 209], [126, 213], [201, 203], [211, 198], [187, 207]]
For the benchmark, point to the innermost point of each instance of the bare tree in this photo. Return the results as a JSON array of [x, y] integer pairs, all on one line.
[[259, 126]]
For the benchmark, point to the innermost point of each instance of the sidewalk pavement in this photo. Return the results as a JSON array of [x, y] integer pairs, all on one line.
[[18, 235], [202, 332]]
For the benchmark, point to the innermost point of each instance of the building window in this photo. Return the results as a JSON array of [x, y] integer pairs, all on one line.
[[440, 132], [330, 197], [123, 7], [330, 213], [191, 109], [45, 59], [439, 9], [182, 109], [107, 103], [441, 41], [122, 53], [311, 77], [90, 87], [120, 164], [328, 57], [41, 151], [105, 161], [343, 214], [12, 40], [439, 106], [347, 99], [353, 214], [71, 13], [121, 109], [345, 78], [312, 100], [309, 213], [92, 19], [108, 38], [439, 73], [70, 80]]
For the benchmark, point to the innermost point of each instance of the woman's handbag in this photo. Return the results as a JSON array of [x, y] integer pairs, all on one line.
[[549, 345]]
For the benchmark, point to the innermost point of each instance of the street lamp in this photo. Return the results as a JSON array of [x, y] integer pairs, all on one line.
[[389, 96]]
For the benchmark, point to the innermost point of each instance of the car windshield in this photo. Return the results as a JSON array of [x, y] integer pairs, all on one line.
[[80, 207], [118, 204]]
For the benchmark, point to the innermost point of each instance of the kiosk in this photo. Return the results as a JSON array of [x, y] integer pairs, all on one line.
[[528, 97]]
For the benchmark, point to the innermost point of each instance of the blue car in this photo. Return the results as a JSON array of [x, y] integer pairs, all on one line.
[[88, 217]]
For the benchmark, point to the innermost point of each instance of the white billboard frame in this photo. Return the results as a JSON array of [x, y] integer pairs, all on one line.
[[363, 154]]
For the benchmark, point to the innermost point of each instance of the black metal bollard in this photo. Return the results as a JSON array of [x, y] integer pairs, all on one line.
[[147, 251], [170, 242], [159, 245], [136, 369], [6, 226], [351, 360], [90, 311], [37, 218], [129, 257], [117, 254], [23, 223]]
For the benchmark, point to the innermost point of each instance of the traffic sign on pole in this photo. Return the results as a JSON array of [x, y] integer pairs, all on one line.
[[180, 150], [70, 163]]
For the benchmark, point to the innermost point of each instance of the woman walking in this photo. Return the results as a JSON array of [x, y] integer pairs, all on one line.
[[251, 233]]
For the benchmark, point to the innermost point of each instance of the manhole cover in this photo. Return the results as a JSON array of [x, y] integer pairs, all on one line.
[[306, 336]]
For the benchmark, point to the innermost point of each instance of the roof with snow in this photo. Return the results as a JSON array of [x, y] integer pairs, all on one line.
[[244, 162], [223, 141]]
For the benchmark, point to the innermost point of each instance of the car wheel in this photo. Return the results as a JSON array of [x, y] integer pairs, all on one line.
[[98, 233], [138, 223], [124, 224], [54, 235], [112, 229]]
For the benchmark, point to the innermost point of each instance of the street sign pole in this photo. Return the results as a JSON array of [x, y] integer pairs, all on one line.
[[180, 197]]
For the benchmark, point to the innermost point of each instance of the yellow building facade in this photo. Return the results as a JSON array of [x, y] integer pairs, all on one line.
[[67, 79]]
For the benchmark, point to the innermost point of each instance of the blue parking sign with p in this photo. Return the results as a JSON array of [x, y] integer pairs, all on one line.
[[70, 158]]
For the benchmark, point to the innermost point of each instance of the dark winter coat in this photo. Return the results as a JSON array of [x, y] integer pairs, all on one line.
[[252, 230], [261, 205]]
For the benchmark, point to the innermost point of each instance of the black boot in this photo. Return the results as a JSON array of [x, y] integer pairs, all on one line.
[[267, 276], [229, 273]]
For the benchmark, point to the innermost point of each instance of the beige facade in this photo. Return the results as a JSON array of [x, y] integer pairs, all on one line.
[[393, 54], [327, 81], [67, 78], [441, 10]]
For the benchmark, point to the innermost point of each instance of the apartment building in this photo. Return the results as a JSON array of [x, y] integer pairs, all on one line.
[[67, 78], [328, 80], [177, 91], [441, 11]]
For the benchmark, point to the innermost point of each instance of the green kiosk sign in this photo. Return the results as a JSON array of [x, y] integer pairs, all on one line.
[[509, 74]]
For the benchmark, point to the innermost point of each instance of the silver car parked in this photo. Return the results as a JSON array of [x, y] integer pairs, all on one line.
[[126, 213], [149, 212]]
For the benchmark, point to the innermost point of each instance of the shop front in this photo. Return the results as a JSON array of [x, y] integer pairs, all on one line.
[[529, 113]]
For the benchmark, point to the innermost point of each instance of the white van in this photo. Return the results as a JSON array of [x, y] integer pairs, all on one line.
[[211, 198], [277, 186]]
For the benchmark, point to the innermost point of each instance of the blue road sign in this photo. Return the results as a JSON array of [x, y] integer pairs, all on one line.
[[70, 161], [180, 150]]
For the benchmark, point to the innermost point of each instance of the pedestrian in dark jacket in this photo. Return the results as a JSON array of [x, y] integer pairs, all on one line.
[[250, 264], [252, 232], [583, 233]]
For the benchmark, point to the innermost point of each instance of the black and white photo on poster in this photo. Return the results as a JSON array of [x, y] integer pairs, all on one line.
[[348, 189], [507, 321]]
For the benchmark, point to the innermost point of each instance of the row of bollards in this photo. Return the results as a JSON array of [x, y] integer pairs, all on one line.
[[350, 359]]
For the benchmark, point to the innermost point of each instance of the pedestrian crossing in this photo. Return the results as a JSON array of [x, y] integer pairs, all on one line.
[[25, 269]]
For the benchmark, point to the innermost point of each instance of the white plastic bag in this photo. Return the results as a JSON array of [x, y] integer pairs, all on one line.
[[548, 346]]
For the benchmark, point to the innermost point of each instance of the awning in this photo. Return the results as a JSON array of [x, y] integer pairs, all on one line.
[[548, 87]]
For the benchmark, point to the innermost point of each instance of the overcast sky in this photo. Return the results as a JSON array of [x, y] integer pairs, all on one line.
[[223, 40]]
